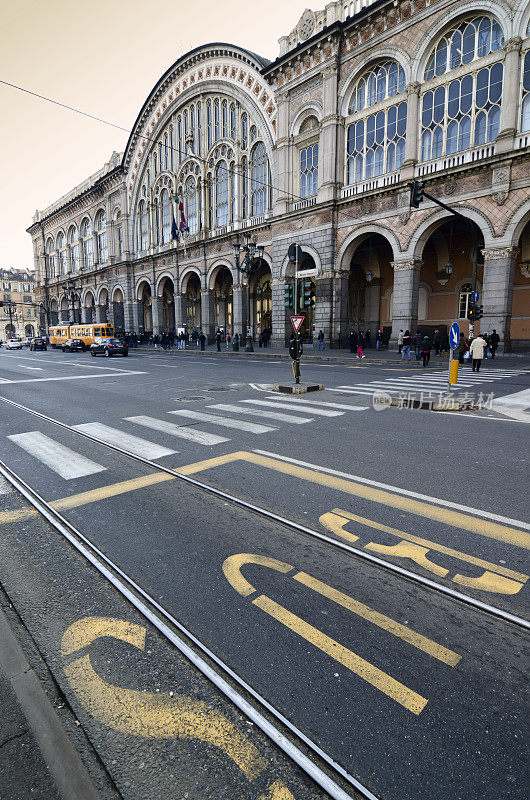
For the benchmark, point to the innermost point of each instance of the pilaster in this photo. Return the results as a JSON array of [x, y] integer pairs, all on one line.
[[497, 292], [406, 293]]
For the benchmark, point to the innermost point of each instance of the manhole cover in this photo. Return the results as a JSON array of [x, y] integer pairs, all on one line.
[[220, 389], [190, 399]]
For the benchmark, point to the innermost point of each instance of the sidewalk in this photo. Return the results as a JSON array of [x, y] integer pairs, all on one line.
[[37, 758]]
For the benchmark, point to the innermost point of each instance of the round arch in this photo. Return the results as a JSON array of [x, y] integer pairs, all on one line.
[[516, 226], [141, 283], [101, 300], [390, 52], [310, 109], [352, 242], [87, 296], [160, 282], [306, 248], [186, 274], [118, 295], [521, 18], [215, 269], [496, 8], [426, 228]]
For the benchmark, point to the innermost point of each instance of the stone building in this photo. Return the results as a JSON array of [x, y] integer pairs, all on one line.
[[316, 148], [18, 313]]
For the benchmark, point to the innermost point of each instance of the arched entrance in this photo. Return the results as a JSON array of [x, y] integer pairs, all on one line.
[[520, 316], [223, 300], [89, 315], [193, 302], [145, 309], [262, 300], [103, 306], [65, 311], [168, 305], [29, 330], [370, 278], [54, 312], [10, 330], [118, 312]]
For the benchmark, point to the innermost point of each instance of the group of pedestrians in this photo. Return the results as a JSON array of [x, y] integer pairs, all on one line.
[[423, 345], [356, 342]]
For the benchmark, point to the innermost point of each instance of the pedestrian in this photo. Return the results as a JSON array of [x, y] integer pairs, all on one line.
[[202, 340], [462, 349], [186, 338], [228, 338], [399, 341], [352, 340], [260, 339], [477, 348], [494, 342], [486, 338], [360, 343], [368, 338], [407, 343], [320, 338], [235, 346], [426, 350], [445, 343], [266, 337], [437, 343], [379, 340], [416, 341], [218, 339]]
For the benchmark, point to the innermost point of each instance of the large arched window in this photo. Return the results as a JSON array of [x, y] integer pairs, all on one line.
[[165, 217], [142, 226], [258, 179], [118, 231], [61, 247], [101, 231], [50, 258], [463, 112], [87, 243], [221, 194], [376, 136], [525, 104], [73, 244]]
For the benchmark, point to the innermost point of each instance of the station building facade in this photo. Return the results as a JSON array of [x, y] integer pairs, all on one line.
[[316, 148]]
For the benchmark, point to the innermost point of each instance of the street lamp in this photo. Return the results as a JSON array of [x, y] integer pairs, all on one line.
[[72, 293], [247, 267]]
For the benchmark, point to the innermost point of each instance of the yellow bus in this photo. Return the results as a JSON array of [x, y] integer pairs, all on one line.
[[58, 334], [89, 332]]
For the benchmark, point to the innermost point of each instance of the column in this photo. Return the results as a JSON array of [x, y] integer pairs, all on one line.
[[156, 311], [406, 291], [129, 321], [279, 314], [87, 315], [180, 311], [372, 306], [497, 292], [412, 136], [239, 300], [511, 91], [283, 200], [138, 316], [327, 163], [207, 314], [118, 317]]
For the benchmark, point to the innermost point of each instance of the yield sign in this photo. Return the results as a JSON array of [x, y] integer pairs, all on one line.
[[297, 322]]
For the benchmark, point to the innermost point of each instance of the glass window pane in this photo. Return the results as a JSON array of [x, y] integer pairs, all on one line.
[[402, 118], [401, 79], [480, 128], [429, 71], [379, 160], [441, 58], [370, 130], [464, 136], [370, 164], [525, 114], [484, 37], [497, 38], [426, 110], [483, 77], [381, 83], [456, 50], [359, 168], [452, 137], [359, 135], [468, 43], [496, 82], [466, 94], [371, 93], [453, 99], [439, 104], [392, 79], [437, 142], [391, 122], [494, 122], [391, 158], [380, 127]]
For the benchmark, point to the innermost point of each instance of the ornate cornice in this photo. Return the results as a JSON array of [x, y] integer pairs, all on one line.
[[494, 254]]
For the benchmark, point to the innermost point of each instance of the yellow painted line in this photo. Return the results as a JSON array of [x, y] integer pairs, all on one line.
[[416, 639], [449, 551], [232, 570], [375, 677], [149, 714]]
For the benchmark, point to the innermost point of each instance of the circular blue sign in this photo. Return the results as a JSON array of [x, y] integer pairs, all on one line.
[[454, 335], [474, 296]]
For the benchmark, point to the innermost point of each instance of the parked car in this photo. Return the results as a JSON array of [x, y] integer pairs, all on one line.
[[71, 345], [38, 343], [13, 344], [109, 347]]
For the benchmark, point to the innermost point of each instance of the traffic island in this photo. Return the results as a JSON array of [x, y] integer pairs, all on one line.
[[298, 388]]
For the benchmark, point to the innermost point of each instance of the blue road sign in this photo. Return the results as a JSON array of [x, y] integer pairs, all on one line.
[[474, 296], [454, 335]]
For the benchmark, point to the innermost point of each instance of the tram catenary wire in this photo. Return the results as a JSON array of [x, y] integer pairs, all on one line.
[[426, 583]]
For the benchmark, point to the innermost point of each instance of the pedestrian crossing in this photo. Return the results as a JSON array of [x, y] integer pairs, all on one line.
[[428, 382]]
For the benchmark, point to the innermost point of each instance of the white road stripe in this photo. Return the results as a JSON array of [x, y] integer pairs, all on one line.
[[514, 405], [65, 462], [398, 490], [39, 369], [262, 413], [224, 422], [75, 377], [321, 412], [5, 487], [133, 444], [199, 437], [349, 391], [343, 406]]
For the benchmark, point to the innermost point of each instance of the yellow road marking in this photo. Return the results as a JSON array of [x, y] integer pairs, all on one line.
[[277, 792], [337, 523], [408, 550], [149, 714], [232, 570], [374, 676], [490, 582]]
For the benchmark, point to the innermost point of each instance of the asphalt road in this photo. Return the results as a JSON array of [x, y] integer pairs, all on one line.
[[413, 693]]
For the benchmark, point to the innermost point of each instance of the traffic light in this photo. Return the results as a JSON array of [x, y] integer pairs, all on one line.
[[1, 303], [479, 312], [416, 193], [471, 312], [288, 293], [306, 293]]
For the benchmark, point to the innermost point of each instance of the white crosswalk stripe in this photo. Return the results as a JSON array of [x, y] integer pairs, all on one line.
[[295, 401], [321, 412], [425, 382], [224, 422], [5, 487], [132, 444], [65, 462], [199, 437], [262, 413]]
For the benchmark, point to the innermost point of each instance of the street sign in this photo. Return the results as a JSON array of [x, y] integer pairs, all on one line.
[[454, 335], [474, 296], [297, 322], [295, 253]]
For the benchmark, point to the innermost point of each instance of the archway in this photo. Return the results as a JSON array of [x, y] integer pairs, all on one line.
[[54, 312], [29, 330], [89, 307], [223, 300], [370, 284], [118, 311], [145, 309], [193, 302], [520, 317], [65, 311], [262, 300], [103, 306], [168, 305]]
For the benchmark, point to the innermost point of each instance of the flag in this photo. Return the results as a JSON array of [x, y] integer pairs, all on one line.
[[174, 229], [183, 225]]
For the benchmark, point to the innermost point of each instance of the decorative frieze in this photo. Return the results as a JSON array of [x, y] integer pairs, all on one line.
[[406, 265], [494, 254]]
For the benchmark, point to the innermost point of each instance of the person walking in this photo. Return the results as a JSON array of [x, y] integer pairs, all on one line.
[[352, 340], [445, 343], [202, 340], [437, 343], [399, 341], [494, 342], [477, 349], [462, 349], [218, 339], [360, 343], [320, 338], [407, 344], [486, 338], [368, 338], [426, 350], [416, 341], [379, 339]]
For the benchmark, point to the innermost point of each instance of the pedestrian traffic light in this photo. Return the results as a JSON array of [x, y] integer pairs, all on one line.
[[416, 193], [479, 312], [289, 295], [306, 293]]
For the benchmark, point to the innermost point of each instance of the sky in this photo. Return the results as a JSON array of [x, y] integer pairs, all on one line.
[[102, 57]]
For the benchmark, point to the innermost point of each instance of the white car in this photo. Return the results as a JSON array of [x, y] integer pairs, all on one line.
[[13, 344]]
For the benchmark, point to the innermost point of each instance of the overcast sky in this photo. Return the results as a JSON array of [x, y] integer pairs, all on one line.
[[103, 57]]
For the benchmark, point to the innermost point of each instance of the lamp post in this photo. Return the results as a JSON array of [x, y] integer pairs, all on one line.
[[71, 291], [247, 266]]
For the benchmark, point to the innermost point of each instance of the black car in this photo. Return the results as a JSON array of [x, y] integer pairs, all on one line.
[[71, 345], [109, 347], [38, 344]]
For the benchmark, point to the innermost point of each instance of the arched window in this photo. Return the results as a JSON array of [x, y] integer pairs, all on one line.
[[103, 246], [244, 188], [142, 225], [233, 126], [221, 194], [463, 303], [171, 146], [198, 144], [180, 144], [525, 106], [50, 258], [244, 131], [216, 120], [165, 217], [191, 192], [166, 152], [118, 233], [466, 111], [376, 139], [87, 243], [224, 114], [73, 244], [259, 164], [209, 123], [61, 247], [309, 171]]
